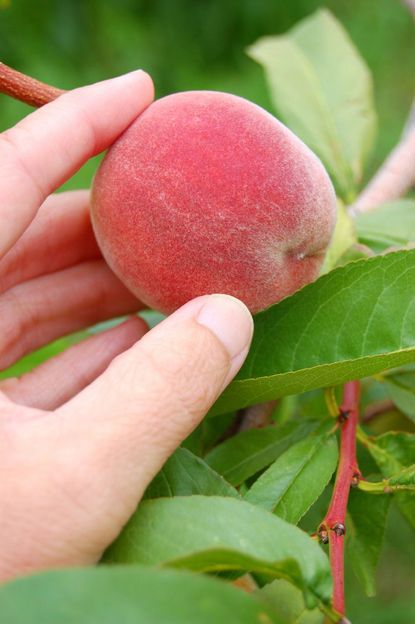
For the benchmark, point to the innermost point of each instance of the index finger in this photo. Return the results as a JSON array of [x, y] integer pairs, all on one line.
[[51, 144]]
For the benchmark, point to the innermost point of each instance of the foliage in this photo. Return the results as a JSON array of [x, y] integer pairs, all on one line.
[[126, 594], [231, 506], [196, 45], [338, 95]]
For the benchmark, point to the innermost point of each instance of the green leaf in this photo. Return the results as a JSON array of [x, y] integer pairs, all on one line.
[[323, 90], [405, 479], [401, 389], [365, 530], [207, 433], [184, 474], [392, 452], [351, 323], [248, 452], [212, 534], [128, 595], [286, 601], [298, 477], [29, 362], [390, 225], [406, 504], [343, 238]]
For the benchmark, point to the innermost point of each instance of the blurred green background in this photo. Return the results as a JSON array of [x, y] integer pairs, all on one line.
[[199, 44]]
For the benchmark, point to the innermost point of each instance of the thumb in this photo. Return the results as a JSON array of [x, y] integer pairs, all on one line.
[[81, 470], [153, 395], [123, 427]]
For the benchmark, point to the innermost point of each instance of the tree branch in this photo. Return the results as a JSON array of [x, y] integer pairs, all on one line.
[[395, 177], [333, 527], [26, 89], [256, 416], [411, 6], [376, 409], [397, 174]]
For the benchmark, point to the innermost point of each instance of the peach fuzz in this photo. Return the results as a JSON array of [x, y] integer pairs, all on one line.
[[207, 192]]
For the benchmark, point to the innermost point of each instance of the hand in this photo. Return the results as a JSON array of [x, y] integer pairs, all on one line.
[[83, 435]]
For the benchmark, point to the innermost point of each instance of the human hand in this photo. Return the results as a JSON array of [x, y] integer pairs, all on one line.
[[83, 434]]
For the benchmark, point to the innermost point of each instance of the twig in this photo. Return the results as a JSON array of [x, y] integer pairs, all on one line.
[[393, 180], [256, 416], [410, 123], [26, 89], [333, 527], [397, 174], [411, 6], [376, 409]]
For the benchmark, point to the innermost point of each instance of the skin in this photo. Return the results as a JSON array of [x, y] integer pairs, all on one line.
[[83, 435], [206, 192]]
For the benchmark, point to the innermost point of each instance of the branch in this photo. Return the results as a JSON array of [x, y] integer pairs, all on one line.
[[395, 177], [397, 174], [411, 6], [333, 527], [410, 123], [376, 409], [256, 416], [26, 89]]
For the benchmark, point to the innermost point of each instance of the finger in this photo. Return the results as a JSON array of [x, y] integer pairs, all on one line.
[[59, 236], [41, 310], [48, 146], [153, 395], [80, 471], [57, 380]]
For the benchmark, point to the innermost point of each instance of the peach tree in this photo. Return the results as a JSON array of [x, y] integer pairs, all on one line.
[[237, 506]]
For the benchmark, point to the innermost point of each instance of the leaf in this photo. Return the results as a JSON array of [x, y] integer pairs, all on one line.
[[323, 90], [29, 362], [152, 317], [212, 534], [406, 504], [343, 238], [392, 452], [298, 477], [248, 452], [365, 530], [207, 433], [404, 479], [184, 474], [390, 225], [128, 595], [401, 389], [286, 601], [351, 323]]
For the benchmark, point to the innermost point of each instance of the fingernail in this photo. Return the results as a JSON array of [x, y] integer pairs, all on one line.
[[230, 320], [131, 77]]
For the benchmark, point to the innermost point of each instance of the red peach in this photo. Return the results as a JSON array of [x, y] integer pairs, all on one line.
[[208, 193]]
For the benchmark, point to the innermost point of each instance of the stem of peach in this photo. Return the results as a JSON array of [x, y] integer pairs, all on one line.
[[333, 527], [26, 89]]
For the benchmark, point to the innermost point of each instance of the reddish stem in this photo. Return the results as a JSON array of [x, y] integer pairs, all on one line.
[[333, 526], [26, 89]]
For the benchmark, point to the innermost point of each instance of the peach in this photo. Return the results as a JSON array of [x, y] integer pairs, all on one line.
[[205, 193]]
